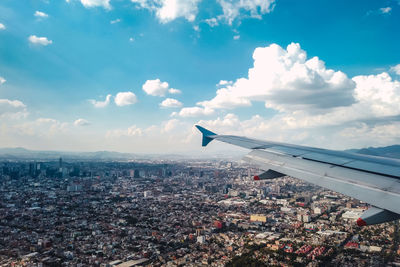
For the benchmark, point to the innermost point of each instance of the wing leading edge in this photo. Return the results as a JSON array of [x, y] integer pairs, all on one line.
[[374, 180]]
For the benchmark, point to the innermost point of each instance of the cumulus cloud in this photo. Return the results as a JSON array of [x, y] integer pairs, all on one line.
[[125, 99], [171, 103], [174, 91], [170, 125], [233, 9], [212, 22], [385, 10], [155, 87], [2, 26], [11, 106], [39, 40], [376, 97], [168, 10], [275, 129], [12, 109], [224, 82], [365, 135], [41, 127], [2, 80], [131, 131], [81, 122], [96, 3], [396, 69], [158, 88], [194, 112], [40, 14], [316, 106], [379, 94], [115, 21], [286, 80], [101, 104]]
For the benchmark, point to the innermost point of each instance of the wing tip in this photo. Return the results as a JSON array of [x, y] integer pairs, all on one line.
[[206, 135]]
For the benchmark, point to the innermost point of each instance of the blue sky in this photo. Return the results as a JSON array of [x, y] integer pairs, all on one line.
[[323, 73]]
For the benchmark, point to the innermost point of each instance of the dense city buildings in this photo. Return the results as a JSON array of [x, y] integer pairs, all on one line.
[[178, 213]]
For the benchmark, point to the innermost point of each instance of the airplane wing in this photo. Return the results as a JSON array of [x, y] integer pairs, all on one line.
[[374, 180]]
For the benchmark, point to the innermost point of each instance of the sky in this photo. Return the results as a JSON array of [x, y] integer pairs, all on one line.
[[137, 75]]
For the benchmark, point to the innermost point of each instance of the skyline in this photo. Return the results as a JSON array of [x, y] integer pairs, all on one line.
[[135, 76]]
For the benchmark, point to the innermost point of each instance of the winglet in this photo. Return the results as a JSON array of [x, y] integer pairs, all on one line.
[[206, 135]]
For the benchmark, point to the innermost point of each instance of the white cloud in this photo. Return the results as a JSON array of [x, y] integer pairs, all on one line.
[[101, 104], [81, 122], [7, 106], [171, 103], [39, 40], [125, 99], [212, 22], [378, 94], [12, 109], [41, 128], [195, 112], [174, 91], [171, 125], [385, 10], [236, 37], [376, 97], [115, 21], [2, 80], [396, 69], [274, 129], [172, 9], [317, 106], [364, 135], [155, 87], [286, 81], [96, 3], [40, 14], [131, 131], [2, 26], [131, 39], [168, 10], [224, 82], [233, 9], [225, 99]]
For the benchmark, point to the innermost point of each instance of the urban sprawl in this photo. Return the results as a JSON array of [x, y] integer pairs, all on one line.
[[178, 213]]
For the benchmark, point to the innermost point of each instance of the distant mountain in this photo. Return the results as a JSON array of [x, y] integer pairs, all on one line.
[[22, 153], [387, 151], [26, 154]]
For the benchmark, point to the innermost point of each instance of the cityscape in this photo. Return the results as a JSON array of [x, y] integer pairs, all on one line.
[[178, 213], [174, 133]]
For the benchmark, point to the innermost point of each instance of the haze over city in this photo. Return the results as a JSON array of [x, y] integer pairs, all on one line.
[[135, 76]]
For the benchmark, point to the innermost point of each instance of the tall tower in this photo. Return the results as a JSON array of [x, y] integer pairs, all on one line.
[[60, 167]]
